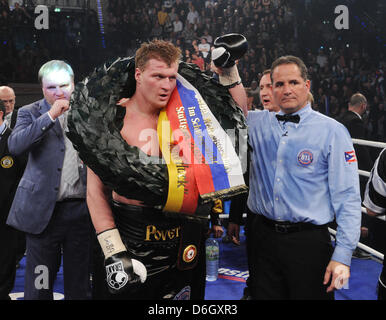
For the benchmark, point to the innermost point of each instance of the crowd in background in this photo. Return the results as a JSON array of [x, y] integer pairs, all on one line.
[[71, 36], [340, 63]]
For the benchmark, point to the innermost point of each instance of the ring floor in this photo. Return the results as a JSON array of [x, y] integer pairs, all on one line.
[[233, 273]]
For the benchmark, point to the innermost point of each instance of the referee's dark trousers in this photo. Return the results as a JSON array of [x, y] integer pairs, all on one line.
[[289, 263]]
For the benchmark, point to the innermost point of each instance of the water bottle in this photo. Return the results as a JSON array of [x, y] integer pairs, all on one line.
[[212, 256]]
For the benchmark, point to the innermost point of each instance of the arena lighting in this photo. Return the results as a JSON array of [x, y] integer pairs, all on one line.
[[101, 25]]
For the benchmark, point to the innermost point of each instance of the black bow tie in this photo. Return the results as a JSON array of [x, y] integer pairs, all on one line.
[[288, 118]]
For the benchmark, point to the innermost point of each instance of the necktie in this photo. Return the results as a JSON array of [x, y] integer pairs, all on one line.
[[70, 172], [288, 118]]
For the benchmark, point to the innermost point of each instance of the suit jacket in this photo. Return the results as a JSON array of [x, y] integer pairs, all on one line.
[[11, 170], [357, 130], [36, 194]]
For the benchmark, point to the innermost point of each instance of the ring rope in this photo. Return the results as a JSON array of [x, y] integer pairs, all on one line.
[[364, 173], [367, 173], [369, 143], [364, 247], [383, 218]]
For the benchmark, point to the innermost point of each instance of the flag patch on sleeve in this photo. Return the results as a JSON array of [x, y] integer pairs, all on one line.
[[350, 156]]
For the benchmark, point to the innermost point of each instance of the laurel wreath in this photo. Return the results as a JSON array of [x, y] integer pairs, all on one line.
[[95, 122]]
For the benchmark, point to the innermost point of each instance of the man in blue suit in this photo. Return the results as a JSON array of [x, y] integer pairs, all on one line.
[[49, 203], [11, 170]]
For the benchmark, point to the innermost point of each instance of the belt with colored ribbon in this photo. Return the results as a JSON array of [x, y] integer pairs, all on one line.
[[202, 163]]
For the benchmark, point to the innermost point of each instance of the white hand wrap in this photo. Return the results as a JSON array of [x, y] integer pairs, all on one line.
[[111, 242], [229, 76]]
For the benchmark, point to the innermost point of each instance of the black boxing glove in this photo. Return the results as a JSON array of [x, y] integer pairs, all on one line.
[[234, 47], [122, 272], [228, 49]]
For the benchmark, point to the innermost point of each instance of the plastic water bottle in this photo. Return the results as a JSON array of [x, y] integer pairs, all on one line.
[[212, 256]]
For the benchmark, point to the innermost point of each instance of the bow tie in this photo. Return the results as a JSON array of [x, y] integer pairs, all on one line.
[[288, 118]]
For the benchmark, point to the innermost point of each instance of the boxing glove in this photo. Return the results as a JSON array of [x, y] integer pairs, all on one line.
[[228, 49], [122, 272]]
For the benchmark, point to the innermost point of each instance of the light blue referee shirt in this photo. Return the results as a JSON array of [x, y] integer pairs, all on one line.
[[306, 172]]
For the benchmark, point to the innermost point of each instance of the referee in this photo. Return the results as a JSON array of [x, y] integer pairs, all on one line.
[[303, 175]]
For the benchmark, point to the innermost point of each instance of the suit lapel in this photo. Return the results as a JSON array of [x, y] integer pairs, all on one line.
[[3, 141]]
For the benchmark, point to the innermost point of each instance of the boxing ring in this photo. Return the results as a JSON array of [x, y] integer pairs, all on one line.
[[361, 246], [233, 272]]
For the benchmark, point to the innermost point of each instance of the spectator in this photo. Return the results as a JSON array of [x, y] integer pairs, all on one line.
[[198, 60], [321, 59], [254, 93], [7, 95], [193, 17], [188, 33], [354, 68], [177, 26], [11, 170], [20, 16], [204, 48], [162, 16], [352, 120], [156, 31], [187, 56], [207, 36]]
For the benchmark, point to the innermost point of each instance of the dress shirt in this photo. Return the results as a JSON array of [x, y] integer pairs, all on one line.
[[305, 172], [2, 128], [7, 119]]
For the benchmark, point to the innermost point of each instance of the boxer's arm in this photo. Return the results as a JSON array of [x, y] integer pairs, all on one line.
[[237, 91], [239, 95], [131, 271], [98, 203], [228, 49]]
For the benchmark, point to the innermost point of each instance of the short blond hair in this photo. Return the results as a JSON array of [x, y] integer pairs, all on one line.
[[157, 49]]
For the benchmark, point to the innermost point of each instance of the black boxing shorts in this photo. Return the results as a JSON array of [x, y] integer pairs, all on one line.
[[171, 248]]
